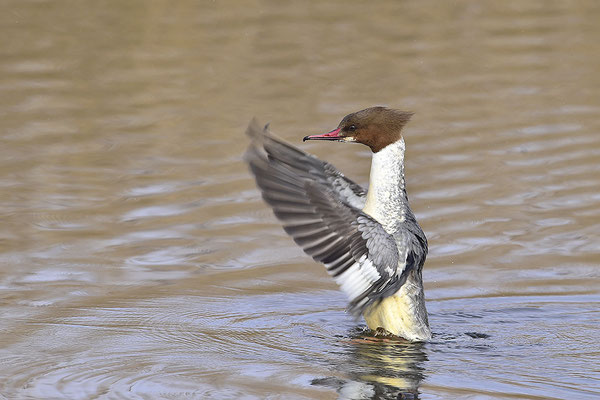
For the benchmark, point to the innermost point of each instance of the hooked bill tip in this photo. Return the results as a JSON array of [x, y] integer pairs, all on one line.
[[332, 135]]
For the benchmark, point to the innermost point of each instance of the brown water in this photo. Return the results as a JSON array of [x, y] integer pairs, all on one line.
[[137, 260]]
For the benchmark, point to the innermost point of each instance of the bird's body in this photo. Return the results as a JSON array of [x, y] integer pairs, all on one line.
[[370, 242], [403, 313]]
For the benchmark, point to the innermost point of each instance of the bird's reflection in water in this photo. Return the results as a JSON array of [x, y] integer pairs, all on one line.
[[378, 368]]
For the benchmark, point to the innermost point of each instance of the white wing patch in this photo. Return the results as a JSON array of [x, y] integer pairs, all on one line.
[[358, 278]]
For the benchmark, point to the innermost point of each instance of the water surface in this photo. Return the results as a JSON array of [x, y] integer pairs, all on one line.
[[138, 261]]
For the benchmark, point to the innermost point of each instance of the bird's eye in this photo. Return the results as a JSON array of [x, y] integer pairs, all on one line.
[[352, 128]]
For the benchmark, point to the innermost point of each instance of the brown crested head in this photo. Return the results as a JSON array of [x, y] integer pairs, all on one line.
[[375, 127]]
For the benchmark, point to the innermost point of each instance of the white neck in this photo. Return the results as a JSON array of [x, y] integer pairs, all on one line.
[[386, 198]]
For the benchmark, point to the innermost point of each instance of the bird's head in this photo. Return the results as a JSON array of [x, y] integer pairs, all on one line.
[[375, 127]]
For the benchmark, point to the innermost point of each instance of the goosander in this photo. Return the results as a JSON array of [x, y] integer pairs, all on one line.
[[370, 242]]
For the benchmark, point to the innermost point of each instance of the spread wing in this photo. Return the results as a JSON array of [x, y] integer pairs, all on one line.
[[321, 210]]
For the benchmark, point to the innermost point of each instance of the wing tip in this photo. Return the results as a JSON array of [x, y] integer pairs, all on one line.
[[254, 130], [256, 149]]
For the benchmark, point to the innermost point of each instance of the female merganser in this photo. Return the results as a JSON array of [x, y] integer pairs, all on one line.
[[370, 242]]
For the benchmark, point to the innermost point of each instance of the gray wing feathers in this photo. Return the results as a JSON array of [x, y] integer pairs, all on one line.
[[305, 195], [305, 164]]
